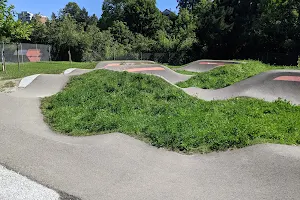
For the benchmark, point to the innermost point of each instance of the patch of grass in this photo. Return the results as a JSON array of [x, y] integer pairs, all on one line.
[[229, 74], [173, 66], [186, 72], [28, 69], [151, 109]]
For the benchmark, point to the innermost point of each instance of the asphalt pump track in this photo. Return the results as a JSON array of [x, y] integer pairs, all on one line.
[[116, 166]]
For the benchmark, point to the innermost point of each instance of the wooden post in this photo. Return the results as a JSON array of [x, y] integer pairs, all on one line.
[[18, 56], [2, 57], [22, 53]]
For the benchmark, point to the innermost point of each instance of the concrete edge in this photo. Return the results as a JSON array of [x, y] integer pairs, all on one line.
[[69, 71], [223, 61], [27, 80], [16, 180], [62, 195]]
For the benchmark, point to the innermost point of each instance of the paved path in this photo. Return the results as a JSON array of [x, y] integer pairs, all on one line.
[[116, 166]]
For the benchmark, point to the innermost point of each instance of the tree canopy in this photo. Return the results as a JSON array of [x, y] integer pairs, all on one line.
[[219, 29]]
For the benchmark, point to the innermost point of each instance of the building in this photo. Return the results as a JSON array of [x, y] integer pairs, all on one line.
[[25, 16], [167, 12], [42, 19], [170, 14]]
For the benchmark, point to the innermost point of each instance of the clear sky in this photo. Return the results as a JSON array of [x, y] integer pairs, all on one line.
[[93, 6]]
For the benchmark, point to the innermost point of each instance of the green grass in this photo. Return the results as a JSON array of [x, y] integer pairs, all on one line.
[[28, 69], [227, 75], [149, 108], [173, 66], [187, 72]]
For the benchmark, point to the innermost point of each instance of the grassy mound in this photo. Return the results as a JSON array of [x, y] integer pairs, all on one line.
[[151, 109], [227, 75], [28, 69]]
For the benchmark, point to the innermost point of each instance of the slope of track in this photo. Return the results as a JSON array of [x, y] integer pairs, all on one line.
[[47, 84], [115, 166], [205, 65], [103, 64], [154, 69], [229, 75], [262, 86], [44, 85]]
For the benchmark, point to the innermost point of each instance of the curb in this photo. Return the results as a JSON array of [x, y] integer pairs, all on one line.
[[69, 71], [27, 80]]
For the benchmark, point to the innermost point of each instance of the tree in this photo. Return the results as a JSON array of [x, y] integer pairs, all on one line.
[[112, 10], [212, 26], [74, 11], [121, 33], [277, 27], [185, 27], [9, 28], [142, 43], [187, 4], [93, 20], [40, 31], [100, 44], [142, 16], [6, 19], [68, 34], [20, 31]]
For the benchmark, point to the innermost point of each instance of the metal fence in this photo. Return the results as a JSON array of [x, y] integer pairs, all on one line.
[[161, 57], [26, 52]]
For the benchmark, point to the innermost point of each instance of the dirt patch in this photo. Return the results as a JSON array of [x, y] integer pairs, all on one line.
[[7, 86]]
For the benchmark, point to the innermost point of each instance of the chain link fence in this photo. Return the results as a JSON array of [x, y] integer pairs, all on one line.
[[177, 58], [25, 52]]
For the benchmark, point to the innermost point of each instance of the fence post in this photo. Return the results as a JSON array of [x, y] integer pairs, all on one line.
[[18, 56], [22, 53], [2, 57], [50, 53]]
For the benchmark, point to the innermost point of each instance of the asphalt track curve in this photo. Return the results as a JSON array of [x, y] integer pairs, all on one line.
[[153, 69], [102, 64], [205, 65], [263, 86], [117, 166]]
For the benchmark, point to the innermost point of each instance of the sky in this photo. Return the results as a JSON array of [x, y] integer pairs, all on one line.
[[93, 6]]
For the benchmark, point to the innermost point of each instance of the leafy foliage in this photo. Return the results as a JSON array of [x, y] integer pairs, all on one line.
[[9, 28], [267, 30]]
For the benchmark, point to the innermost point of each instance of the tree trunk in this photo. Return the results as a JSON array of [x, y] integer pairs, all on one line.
[[70, 56], [18, 57]]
